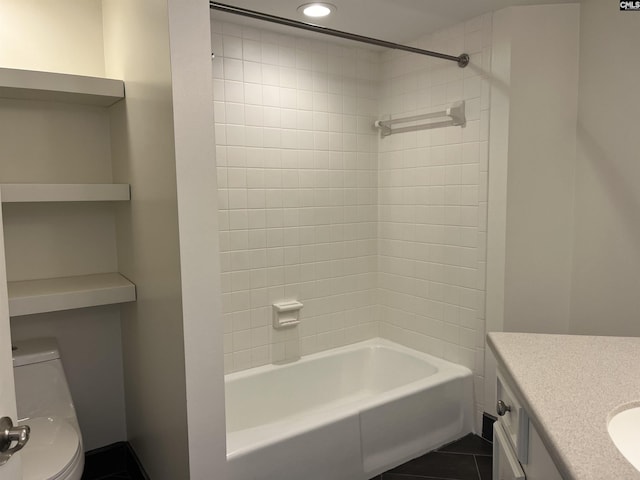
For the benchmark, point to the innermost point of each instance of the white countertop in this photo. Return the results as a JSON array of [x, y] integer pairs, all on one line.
[[571, 385]]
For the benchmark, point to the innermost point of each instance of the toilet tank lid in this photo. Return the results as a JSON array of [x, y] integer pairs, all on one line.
[[36, 350]]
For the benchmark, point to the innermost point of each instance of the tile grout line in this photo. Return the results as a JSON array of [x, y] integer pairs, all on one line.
[[409, 476], [475, 460], [454, 458], [465, 453]]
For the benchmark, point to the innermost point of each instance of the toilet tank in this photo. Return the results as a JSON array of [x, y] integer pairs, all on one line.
[[41, 385]]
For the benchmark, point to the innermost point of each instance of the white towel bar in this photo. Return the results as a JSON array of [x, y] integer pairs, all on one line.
[[455, 113]]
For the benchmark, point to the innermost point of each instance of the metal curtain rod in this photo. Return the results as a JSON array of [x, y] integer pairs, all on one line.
[[462, 60]]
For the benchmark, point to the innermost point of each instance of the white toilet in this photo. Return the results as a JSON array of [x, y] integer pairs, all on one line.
[[54, 450]]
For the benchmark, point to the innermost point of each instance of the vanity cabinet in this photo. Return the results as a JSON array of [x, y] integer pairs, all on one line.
[[518, 451]]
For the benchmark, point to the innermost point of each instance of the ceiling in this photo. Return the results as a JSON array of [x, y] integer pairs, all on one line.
[[397, 21]]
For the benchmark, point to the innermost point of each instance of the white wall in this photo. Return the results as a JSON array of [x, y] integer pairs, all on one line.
[[64, 36], [199, 246], [162, 145], [433, 201], [606, 262], [539, 161], [541, 167], [531, 171], [296, 175], [147, 231]]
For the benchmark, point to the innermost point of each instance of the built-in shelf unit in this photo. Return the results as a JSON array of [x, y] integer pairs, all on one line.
[[62, 293]]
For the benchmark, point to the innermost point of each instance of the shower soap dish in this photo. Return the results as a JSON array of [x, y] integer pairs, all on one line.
[[286, 314]]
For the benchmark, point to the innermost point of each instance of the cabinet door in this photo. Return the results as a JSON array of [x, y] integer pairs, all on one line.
[[539, 466], [12, 469], [505, 462]]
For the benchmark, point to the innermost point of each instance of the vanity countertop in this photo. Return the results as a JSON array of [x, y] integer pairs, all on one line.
[[571, 385]]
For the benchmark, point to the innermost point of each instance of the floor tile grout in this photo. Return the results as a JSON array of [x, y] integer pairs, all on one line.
[[453, 462], [464, 453], [408, 476], [477, 467]]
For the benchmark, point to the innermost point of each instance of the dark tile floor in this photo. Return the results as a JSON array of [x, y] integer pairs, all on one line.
[[113, 462], [469, 458]]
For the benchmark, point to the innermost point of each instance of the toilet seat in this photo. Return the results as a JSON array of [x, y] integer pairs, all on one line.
[[52, 450]]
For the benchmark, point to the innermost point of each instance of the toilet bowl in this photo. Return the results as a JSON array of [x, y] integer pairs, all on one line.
[[54, 450]]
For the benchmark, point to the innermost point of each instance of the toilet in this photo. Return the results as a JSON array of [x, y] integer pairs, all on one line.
[[54, 450]]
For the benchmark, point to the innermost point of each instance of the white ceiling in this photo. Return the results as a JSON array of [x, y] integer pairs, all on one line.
[[397, 21]]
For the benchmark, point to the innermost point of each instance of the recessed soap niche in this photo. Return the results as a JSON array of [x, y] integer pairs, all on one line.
[[286, 314]]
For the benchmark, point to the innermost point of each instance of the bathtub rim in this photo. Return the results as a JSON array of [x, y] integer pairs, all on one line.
[[372, 342]]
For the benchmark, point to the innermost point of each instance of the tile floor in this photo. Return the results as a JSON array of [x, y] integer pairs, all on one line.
[[468, 458], [113, 462]]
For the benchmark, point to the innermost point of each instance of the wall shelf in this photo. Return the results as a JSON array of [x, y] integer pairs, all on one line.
[[59, 87], [65, 293], [51, 192]]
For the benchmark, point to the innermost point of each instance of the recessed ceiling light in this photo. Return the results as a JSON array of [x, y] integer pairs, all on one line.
[[316, 10]]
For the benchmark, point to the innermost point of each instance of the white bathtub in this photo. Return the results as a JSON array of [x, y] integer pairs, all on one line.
[[344, 414]]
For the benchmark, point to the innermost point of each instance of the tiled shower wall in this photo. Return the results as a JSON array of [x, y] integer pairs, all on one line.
[[433, 201], [375, 236], [297, 170]]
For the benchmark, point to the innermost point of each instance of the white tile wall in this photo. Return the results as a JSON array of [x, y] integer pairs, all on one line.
[[297, 170], [433, 201], [375, 236]]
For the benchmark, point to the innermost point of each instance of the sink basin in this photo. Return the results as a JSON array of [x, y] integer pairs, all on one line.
[[624, 430]]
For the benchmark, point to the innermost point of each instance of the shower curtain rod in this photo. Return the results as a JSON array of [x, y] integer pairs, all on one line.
[[462, 60]]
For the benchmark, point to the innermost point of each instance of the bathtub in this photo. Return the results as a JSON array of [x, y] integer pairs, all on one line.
[[345, 414]]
